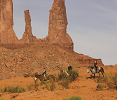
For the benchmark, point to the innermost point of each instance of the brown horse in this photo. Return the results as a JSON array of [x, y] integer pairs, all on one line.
[[41, 77]]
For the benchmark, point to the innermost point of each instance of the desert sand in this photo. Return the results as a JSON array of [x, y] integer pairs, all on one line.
[[83, 86]]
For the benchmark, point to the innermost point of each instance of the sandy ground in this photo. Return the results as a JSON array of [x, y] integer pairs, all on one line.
[[83, 86]]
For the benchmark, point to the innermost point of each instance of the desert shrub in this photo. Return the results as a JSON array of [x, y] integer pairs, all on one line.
[[33, 86], [26, 75], [62, 76], [47, 86], [32, 75], [103, 79], [100, 87], [36, 86], [13, 89], [66, 79], [73, 98], [1, 99], [30, 87], [50, 84], [114, 78], [65, 83], [109, 80], [73, 75], [42, 82]]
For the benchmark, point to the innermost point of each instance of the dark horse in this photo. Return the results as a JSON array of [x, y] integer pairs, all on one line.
[[93, 70], [41, 77]]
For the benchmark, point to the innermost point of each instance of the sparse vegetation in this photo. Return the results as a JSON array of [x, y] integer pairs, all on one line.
[[109, 80], [73, 98], [36, 86], [26, 75], [100, 87], [66, 79], [30, 87], [13, 89], [50, 84], [65, 83], [73, 75], [62, 79], [13, 96], [1, 99], [42, 82], [32, 75], [33, 86]]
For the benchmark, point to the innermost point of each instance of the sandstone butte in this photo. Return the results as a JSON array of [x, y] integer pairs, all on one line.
[[57, 37]]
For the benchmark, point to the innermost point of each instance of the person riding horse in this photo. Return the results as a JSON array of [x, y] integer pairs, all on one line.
[[95, 65], [69, 68], [44, 73]]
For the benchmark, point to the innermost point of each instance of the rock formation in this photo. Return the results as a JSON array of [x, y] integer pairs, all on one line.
[[58, 24], [27, 36], [38, 53], [7, 34]]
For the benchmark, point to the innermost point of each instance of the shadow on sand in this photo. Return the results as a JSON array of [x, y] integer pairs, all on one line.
[[91, 77]]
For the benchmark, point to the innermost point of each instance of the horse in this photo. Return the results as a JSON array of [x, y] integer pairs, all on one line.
[[63, 72], [93, 70], [41, 77]]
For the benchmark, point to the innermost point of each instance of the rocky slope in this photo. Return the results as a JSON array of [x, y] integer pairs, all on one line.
[[35, 58]]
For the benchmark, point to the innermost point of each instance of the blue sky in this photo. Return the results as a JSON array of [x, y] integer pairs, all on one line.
[[92, 25]]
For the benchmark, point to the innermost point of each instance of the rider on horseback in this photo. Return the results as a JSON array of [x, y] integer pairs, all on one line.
[[95, 65], [69, 68], [44, 73]]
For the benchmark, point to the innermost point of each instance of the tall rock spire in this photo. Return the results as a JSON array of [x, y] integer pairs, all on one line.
[[27, 36], [58, 25], [7, 34]]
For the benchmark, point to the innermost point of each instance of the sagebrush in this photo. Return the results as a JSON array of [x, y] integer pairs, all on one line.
[[73, 98], [66, 79], [13, 89], [109, 80]]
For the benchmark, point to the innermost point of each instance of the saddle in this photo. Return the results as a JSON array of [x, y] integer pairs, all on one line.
[[47, 74], [98, 68]]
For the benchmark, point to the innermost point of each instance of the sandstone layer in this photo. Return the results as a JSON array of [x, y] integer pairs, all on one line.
[[7, 34]]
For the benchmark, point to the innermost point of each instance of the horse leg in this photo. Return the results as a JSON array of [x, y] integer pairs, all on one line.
[[91, 74], [99, 73], [94, 75], [102, 74]]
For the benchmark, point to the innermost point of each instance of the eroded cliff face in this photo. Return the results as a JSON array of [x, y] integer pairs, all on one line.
[[7, 34], [58, 25]]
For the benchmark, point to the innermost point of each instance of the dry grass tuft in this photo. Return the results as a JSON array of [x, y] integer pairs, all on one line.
[[109, 80]]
